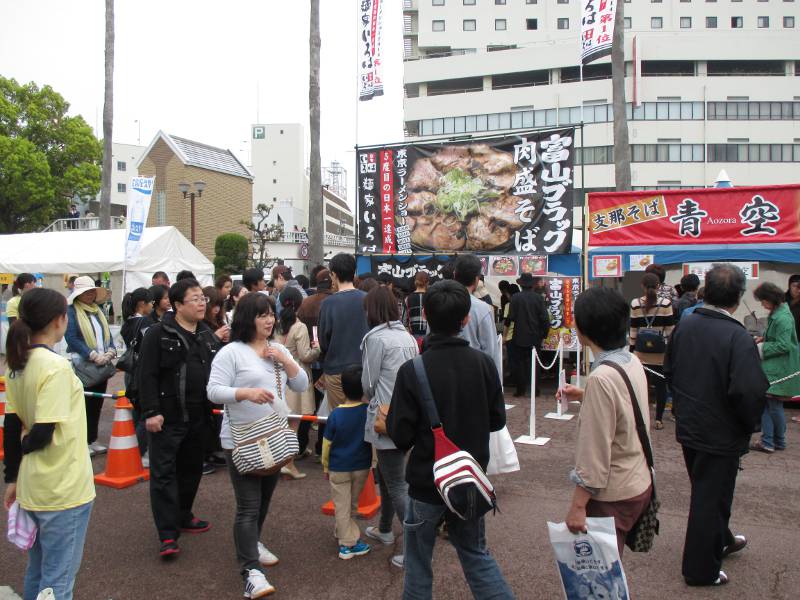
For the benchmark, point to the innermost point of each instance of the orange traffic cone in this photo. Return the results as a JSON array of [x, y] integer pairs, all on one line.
[[2, 413], [369, 503], [124, 463]]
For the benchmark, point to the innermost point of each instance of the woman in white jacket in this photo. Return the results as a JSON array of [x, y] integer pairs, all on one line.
[[384, 349], [249, 377]]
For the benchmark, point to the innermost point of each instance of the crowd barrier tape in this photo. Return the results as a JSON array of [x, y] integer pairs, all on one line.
[[311, 418], [771, 383]]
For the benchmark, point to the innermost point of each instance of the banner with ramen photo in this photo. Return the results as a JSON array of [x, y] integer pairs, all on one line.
[[560, 294], [508, 195]]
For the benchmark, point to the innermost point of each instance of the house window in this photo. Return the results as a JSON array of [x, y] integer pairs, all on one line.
[[469, 25], [437, 2], [438, 26], [763, 22], [274, 181], [121, 188], [531, 24], [499, 24], [711, 22], [562, 23], [788, 22], [656, 22], [469, 2], [562, 2], [500, 2], [737, 22], [686, 22], [530, 1], [627, 23], [121, 165]]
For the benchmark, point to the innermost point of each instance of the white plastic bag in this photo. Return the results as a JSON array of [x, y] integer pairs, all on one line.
[[21, 527], [589, 563], [502, 453], [324, 409]]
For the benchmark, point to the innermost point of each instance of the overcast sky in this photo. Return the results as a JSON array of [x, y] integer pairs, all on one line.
[[193, 67]]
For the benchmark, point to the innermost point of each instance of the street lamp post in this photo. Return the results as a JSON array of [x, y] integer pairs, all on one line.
[[184, 188]]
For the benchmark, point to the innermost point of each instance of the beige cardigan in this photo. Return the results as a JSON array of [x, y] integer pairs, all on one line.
[[298, 344], [609, 456]]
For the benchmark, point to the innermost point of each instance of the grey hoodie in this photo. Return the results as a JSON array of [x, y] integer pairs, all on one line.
[[384, 349]]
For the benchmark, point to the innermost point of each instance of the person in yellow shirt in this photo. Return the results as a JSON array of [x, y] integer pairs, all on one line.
[[23, 283], [47, 467]]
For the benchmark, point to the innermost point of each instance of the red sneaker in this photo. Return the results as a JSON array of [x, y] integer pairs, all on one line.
[[169, 548], [196, 526]]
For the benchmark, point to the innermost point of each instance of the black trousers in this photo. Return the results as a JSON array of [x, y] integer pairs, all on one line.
[[176, 467], [713, 479], [94, 406], [305, 426], [520, 357], [660, 385]]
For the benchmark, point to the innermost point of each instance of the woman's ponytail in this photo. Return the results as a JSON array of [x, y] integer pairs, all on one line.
[[650, 283], [18, 345], [37, 309]]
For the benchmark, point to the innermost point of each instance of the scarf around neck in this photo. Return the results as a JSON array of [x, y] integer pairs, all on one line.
[[82, 312]]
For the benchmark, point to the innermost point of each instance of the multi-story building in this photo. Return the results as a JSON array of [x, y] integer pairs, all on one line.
[[227, 196], [124, 159], [717, 84]]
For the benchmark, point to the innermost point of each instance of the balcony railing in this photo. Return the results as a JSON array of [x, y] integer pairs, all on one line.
[[330, 239], [83, 224]]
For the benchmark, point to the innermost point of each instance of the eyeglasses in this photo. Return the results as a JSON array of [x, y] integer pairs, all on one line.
[[198, 300]]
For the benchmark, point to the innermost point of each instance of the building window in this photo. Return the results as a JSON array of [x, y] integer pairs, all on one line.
[[530, 1], [686, 22], [753, 153], [562, 23], [737, 22], [531, 24], [121, 188], [121, 165], [499, 2], [656, 22], [627, 23], [788, 22], [499, 24], [437, 26], [711, 22], [562, 2], [469, 25], [655, 1], [161, 208], [437, 2], [469, 2], [754, 111], [274, 181], [763, 22]]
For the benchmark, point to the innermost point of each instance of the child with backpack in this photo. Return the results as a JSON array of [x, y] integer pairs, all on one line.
[[347, 459]]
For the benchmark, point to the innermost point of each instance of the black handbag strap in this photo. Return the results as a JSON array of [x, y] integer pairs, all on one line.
[[426, 395], [644, 439]]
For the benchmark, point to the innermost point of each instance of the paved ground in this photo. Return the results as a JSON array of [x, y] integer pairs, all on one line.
[[121, 562]]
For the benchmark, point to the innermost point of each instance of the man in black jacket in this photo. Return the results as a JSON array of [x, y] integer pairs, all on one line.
[[469, 399], [531, 324], [718, 390], [174, 365]]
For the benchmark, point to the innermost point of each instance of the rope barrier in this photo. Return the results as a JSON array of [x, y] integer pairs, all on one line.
[[771, 383], [119, 394], [311, 418], [555, 358]]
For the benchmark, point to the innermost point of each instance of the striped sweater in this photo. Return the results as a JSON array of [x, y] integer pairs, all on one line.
[[661, 317]]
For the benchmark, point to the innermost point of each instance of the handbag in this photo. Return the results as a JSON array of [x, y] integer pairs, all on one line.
[[650, 339], [127, 361], [380, 419], [642, 535], [92, 374], [263, 446]]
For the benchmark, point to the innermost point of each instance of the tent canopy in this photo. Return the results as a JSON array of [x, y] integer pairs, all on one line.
[[53, 253]]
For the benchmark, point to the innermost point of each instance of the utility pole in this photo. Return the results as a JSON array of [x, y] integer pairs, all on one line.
[[316, 221], [622, 148], [108, 120]]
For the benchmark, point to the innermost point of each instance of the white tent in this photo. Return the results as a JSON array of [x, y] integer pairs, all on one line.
[[55, 254]]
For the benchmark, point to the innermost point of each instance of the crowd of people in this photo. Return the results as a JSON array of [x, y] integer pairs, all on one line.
[[344, 346]]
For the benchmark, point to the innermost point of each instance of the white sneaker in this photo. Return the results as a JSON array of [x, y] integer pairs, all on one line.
[[97, 448], [375, 534], [398, 560], [146, 460], [257, 585], [265, 557]]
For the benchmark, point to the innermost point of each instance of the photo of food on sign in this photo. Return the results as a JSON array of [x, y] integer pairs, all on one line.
[[504, 266], [498, 195]]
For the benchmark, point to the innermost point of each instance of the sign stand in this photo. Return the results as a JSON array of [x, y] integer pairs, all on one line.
[[531, 439], [559, 415]]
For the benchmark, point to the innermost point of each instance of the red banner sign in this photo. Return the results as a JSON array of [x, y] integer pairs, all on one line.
[[387, 202], [744, 215]]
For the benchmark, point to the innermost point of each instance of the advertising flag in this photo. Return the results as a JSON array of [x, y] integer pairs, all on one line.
[[369, 55], [140, 192], [597, 28]]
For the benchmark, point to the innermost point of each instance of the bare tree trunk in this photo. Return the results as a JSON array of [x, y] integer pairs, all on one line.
[[315, 217], [622, 149], [108, 120]]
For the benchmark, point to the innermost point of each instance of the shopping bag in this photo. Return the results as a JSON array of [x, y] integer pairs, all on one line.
[[502, 453], [324, 409], [589, 563], [21, 527]]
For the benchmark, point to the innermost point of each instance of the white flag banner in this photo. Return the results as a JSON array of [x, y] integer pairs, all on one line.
[[597, 29], [369, 49], [140, 192]]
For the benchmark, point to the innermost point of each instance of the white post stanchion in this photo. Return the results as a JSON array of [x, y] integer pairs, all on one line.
[[531, 439], [578, 364], [500, 354], [559, 415]]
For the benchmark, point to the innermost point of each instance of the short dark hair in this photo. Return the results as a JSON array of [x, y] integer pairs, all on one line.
[[771, 293], [160, 275], [690, 282], [185, 274], [303, 281], [177, 293], [220, 281], [251, 277], [351, 382], [467, 269], [658, 271], [725, 285], [602, 315], [344, 266], [446, 304], [367, 285], [243, 328], [385, 279], [381, 306], [447, 270], [314, 271]]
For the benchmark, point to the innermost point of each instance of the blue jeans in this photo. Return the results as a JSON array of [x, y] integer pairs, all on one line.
[[394, 489], [468, 538], [773, 424], [56, 554]]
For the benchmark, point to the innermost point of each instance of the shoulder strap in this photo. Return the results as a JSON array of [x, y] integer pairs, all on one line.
[[644, 439], [426, 395]]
